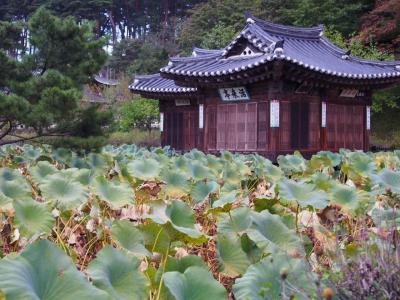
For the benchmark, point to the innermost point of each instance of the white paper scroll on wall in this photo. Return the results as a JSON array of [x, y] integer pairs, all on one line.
[[274, 113], [201, 116], [161, 122], [323, 115], [368, 117]]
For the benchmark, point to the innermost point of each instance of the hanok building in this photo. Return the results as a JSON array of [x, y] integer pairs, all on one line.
[[272, 90]]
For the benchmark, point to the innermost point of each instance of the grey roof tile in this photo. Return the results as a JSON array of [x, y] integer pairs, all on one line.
[[306, 47], [157, 84]]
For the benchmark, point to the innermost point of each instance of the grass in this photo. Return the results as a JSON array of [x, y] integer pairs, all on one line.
[[138, 137]]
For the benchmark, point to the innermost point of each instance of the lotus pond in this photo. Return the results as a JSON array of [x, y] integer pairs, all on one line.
[[133, 223]]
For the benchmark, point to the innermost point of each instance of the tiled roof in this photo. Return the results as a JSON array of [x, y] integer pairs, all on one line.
[[157, 84], [106, 81], [306, 47]]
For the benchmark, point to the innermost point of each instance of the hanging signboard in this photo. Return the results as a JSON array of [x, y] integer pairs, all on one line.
[[274, 113], [234, 94], [201, 116], [368, 117], [323, 115], [349, 93], [182, 102], [161, 122]]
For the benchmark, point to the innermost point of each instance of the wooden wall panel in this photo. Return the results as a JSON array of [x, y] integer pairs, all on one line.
[[221, 126], [240, 127], [263, 124], [285, 125], [331, 125], [314, 125], [251, 127], [230, 132], [211, 125], [345, 126], [358, 127]]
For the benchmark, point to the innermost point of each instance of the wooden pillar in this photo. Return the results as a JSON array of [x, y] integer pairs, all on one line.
[[201, 136], [323, 120], [162, 123], [367, 125], [275, 93]]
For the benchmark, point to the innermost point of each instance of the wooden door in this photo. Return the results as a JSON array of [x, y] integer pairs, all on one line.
[[237, 126], [211, 127], [174, 130], [299, 117], [263, 111], [189, 129], [251, 127]]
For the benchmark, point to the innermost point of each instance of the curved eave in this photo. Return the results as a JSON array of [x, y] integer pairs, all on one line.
[[155, 86], [158, 93], [106, 81], [174, 73]]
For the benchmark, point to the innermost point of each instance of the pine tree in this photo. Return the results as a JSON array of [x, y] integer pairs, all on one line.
[[43, 89]]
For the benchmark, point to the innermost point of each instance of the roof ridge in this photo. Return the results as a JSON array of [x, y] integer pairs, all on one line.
[[341, 51], [294, 31], [149, 76]]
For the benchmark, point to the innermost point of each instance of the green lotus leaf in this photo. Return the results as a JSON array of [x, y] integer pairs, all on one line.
[[128, 237], [43, 271], [115, 194], [155, 237], [144, 169], [291, 164], [14, 189], [304, 194], [7, 174], [264, 168], [178, 214], [198, 171], [62, 155], [235, 222], [194, 284], [214, 164], [388, 179], [322, 181], [118, 274], [359, 164], [232, 259], [182, 218], [263, 280], [63, 192], [333, 159], [31, 153], [226, 198], [180, 265], [348, 197], [202, 189], [235, 171], [83, 176], [96, 161], [32, 217], [42, 170], [387, 217], [269, 232], [176, 186]]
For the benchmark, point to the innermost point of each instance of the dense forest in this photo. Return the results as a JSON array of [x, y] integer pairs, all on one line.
[[140, 35]]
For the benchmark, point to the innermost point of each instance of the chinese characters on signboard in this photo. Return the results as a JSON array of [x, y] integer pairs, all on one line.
[[274, 113], [368, 117], [161, 122], [201, 116], [323, 115], [349, 93], [234, 94], [182, 102]]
